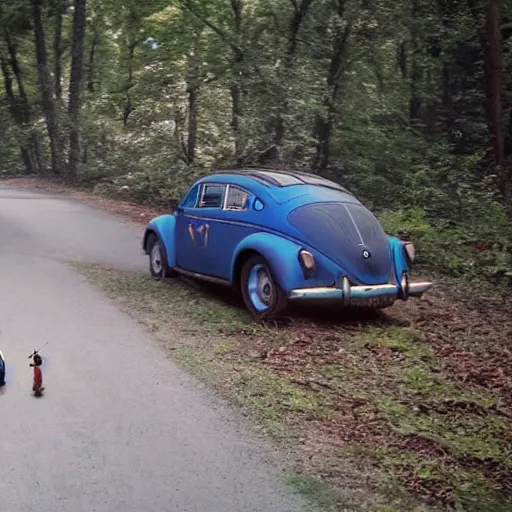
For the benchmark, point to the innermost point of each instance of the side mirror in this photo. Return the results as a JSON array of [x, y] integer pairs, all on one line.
[[174, 203]]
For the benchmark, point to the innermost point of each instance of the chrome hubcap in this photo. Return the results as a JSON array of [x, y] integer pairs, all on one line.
[[156, 258], [264, 287], [260, 287]]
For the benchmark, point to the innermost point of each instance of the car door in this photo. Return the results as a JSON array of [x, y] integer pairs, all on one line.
[[193, 225], [227, 227]]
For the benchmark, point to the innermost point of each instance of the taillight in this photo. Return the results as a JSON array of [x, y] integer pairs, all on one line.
[[410, 250], [307, 261]]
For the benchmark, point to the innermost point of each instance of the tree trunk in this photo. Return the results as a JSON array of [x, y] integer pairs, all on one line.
[[92, 55], [236, 86], [401, 59], [45, 85], [24, 106], [416, 72], [128, 108], [16, 113], [36, 152], [324, 126], [236, 116], [192, 92], [57, 52], [13, 57], [75, 82], [299, 14], [492, 63]]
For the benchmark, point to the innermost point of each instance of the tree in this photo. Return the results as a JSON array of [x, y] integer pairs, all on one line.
[[410, 100], [46, 90], [326, 121], [75, 81]]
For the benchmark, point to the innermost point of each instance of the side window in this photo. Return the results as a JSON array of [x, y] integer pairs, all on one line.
[[190, 199], [237, 199], [212, 196]]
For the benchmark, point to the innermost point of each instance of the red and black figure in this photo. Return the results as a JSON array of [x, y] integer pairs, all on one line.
[[37, 386]]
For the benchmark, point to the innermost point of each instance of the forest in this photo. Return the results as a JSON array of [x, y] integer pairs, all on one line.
[[407, 103]]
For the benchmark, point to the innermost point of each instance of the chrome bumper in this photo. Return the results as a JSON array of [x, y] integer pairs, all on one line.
[[381, 295]]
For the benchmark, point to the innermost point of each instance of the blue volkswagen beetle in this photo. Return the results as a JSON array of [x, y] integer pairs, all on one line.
[[280, 236]]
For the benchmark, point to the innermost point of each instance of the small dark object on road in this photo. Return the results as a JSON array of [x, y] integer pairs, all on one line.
[[2, 369], [37, 386]]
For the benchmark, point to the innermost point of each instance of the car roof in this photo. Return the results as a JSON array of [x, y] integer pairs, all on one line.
[[281, 178], [283, 186]]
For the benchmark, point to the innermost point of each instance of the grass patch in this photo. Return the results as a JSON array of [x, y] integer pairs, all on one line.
[[406, 341], [316, 492], [382, 396], [183, 300]]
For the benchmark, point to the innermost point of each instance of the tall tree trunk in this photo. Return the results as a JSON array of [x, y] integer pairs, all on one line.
[[92, 56], [300, 11], [491, 41], [57, 52], [401, 59], [45, 85], [23, 105], [492, 63], [238, 64], [236, 85], [237, 116], [416, 71], [325, 125], [36, 152], [192, 92], [16, 113], [128, 108], [75, 82], [91, 74]]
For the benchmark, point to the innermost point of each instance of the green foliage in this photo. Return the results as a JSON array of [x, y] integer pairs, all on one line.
[[479, 247], [174, 89]]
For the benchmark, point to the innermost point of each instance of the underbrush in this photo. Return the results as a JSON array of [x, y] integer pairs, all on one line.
[[479, 248]]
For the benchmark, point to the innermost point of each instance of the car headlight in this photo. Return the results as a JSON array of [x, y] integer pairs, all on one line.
[[307, 261]]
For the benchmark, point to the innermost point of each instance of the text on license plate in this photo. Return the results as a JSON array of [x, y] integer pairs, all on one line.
[[373, 302]]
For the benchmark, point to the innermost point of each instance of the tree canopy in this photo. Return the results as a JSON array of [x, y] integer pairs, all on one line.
[[409, 104]]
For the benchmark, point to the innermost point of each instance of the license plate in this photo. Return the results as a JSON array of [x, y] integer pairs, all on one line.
[[373, 302]]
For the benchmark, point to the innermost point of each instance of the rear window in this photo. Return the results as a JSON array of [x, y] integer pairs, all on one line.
[[237, 199]]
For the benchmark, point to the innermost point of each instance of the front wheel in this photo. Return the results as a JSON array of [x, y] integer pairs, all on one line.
[[158, 259], [262, 295]]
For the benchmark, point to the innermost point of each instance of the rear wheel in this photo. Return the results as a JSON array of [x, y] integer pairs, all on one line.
[[262, 295], [158, 265]]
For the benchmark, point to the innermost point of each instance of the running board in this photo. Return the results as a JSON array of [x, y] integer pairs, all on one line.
[[202, 277]]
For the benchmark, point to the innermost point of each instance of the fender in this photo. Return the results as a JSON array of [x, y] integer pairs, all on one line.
[[399, 259], [165, 227], [282, 255]]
